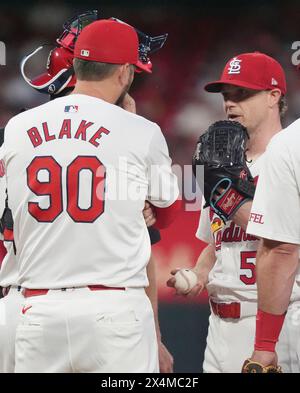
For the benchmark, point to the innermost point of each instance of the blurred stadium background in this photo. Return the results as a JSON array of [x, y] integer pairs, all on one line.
[[203, 35]]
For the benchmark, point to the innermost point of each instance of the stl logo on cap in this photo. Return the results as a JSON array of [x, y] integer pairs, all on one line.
[[234, 66]]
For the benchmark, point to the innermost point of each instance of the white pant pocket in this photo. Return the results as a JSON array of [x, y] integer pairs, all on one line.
[[29, 344]]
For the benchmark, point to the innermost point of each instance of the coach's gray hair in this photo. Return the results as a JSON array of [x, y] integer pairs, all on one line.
[[283, 106], [93, 70]]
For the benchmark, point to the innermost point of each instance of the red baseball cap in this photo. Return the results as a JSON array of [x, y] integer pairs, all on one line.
[[255, 71], [109, 41]]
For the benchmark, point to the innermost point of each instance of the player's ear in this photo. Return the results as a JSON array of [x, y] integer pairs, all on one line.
[[274, 97], [124, 71]]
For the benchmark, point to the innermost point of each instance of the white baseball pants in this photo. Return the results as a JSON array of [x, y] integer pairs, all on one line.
[[79, 330]]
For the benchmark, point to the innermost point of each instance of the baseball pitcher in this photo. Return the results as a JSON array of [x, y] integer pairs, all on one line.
[[231, 153]]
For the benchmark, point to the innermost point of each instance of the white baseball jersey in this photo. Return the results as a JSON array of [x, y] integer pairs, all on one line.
[[233, 275], [276, 207], [77, 172]]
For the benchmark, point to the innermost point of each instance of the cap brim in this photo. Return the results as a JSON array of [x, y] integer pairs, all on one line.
[[144, 67], [216, 87]]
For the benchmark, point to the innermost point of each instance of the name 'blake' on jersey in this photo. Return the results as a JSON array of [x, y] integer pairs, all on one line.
[[38, 136], [78, 172]]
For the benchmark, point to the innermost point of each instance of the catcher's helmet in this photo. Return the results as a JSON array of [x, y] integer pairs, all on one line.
[[60, 73]]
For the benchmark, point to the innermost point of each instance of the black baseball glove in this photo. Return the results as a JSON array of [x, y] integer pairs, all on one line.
[[220, 167]]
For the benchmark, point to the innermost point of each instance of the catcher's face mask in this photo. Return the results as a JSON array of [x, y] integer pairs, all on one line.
[[147, 46], [73, 28], [60, 73]]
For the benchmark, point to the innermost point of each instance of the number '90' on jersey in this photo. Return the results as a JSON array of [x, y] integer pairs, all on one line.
[[77, 173]]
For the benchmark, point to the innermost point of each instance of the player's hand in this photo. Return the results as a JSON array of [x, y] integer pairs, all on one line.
[[265, 358], [262, 362], [149, 214], [128, 104], [195, 291], [166, 360]]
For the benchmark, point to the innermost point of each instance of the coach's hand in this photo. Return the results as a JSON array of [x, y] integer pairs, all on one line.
[[128, 104], [149, 214], [166, 360]]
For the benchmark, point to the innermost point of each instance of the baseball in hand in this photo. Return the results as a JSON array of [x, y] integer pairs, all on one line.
[[185, 280]]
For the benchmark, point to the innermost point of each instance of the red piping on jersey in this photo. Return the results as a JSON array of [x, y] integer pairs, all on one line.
[[165, 216], [8, 235], [2, 251]]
